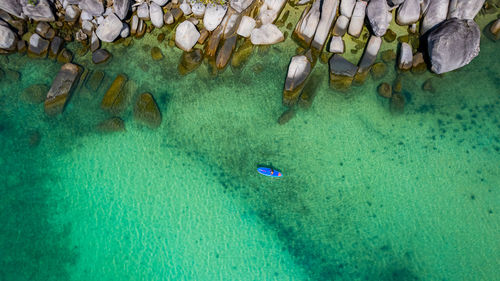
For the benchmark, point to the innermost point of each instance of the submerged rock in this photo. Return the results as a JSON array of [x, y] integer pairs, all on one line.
[[384, 90], [147, 112], [267, 34], [379, 70], [242, 54], [95, 80], [225, 51], [379, 16], [100, 56], [298, 71], [60, 91], [115, 98], [286, 116], [156, 53], [35, 94], [38, 46], [190, 61], [186, 36], [113, 124], [453, 44], [388, 55], [397, 104]]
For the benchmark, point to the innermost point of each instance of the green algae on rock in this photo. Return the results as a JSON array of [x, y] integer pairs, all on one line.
[[114, 99], [146, 111], [60, 91]]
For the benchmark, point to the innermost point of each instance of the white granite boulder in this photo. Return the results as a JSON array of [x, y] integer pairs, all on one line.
[[8, 38], [213, 16], [12, 7], [270, 10], [240, 5], [379, 16], [337, 45], [198, 9], [298, 71], [42, 11], [143, 11], [109, 29], [453, 44], [156, 15], [186, 8], [267, 34], [125, 32], [328, 13], [160, 3], [346, 7], [357, 19], [435, 13], [341, 25], [408, 12], [306, 27], [246, 26], [464, 9], [186, 35], [405, 57], [121, 8], [93, 7], [370, 54]]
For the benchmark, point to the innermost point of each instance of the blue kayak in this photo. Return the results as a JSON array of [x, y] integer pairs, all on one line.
[[269, 172]]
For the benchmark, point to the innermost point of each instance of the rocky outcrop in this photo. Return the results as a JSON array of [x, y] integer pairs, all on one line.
[[405, 57], [186, 36], [42, 11], [357, 19], [408, 12], [146, 111], [8, 38], [60, 91], [342, 72], [379, 16], [435, 13], [110, 28], [328, 13], [298, 71], [266, 35], [464, 9], [306, 27], [213, 16], [120, 8], [247, 24], [92, 7], [453, 44], [12, 7]]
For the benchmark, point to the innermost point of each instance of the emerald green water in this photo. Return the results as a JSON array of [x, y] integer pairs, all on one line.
[[367, 194]]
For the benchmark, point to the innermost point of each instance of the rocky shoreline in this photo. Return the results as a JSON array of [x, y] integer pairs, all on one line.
[[442, 36]]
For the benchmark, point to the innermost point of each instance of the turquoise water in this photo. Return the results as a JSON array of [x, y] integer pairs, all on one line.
[[367, 194]]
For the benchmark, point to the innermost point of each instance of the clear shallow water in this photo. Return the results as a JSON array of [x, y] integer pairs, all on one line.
[[367, 195]]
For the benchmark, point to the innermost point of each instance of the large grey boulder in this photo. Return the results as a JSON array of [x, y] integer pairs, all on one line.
[[379, 16], [453, 44], [240, 5], [143, 11], [346, 7], [267, 34], [60, 91], [370, 54], [298, 71], [38, 46], [405, 57], [8, 38], [92, 7], [306, 27], [270, 10], [357, 19], [464, 9], [42, 11], [12, 7], [328, 13], [436, 12], [186, 35], [110, 28], [408, 12], [120, 8], [156, 15]]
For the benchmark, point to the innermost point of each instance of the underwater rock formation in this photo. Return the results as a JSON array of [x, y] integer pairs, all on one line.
[[60, 91]]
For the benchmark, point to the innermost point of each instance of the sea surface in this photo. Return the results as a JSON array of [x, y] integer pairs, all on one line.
[[367, 193]]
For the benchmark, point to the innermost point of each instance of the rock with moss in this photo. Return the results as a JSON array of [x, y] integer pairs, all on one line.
[[94, 81], [379, 70], [35, 94], [111, 125], [190, 61], [100, 56], [146, 111], [298, 71], [38, 46], [115, 98], [384, 90], [225, 51], [397, 104], [60, 91], [156, 53], [342, 72], [388, 55]]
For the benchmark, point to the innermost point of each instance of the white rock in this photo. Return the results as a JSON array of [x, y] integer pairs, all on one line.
[[86, 16], [240, 5], [408, 12], [110, 28], [198, 9], [309, 22], [186, 36], [143, 11], [405, 56], [328, 13], [108, 11], [341, 25], [346, 7], [186, 9], [370, 54], [156, 15], [160, 2], [270, 10], [94, 42], [99, 19], [125, 31], [336, 45], [495, 27], [464, 9], [303, 2], [213, 16], [267, 34], [134, 23], [357, 19], [435, 14], [379, 16], [72, 13], [230, 27], [8, 38], [87, 27], [121, 8], [168, 18], [247, 24], [298, 71]]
